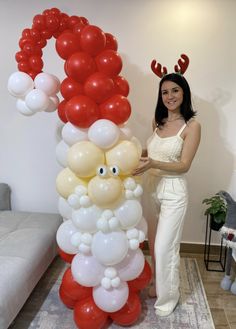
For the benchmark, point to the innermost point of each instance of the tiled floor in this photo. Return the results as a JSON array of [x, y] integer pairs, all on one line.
[[222, 303]]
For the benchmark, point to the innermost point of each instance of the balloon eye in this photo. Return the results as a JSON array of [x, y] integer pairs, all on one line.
[[102, 171], [114, 170]]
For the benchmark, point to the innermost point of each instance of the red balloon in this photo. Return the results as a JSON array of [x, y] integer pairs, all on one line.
[[35, 34], [84, 20], [52, 22], [46, 34], [73, 20], [61, 111], [88, 316], [55, 11], [73, 289], [78, 28], [99, 87], [109, 62], [39, 22], [26, 33], [129, 313], [117, 109], [21, 56], [92, 40], [23, 66], [42, 43], [79, 66], [36, 63], [23, 41], [82, 111], [67, 44], [121, 86], [66, 257], [111, 42], [142, 280], [64, 18], [70, 88], [68, 301]]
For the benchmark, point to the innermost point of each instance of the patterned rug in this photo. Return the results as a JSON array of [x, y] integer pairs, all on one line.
[[44, 310]]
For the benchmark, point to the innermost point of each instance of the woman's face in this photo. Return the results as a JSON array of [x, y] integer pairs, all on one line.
[[172, 96]]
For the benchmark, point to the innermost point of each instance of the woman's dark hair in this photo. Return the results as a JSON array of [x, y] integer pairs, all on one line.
[[186, 109]]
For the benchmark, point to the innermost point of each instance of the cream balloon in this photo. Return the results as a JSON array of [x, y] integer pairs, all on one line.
[[72, 134], [138, 145], [105, 192], [125, 155], [104, 133], [67, 181], [84, 158]]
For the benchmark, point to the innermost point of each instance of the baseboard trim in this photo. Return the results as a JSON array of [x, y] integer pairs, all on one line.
[[193, 248]]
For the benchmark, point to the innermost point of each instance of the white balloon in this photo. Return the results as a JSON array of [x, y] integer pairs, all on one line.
[[129, 213], [142, 226], [53, 104], [72, 134], [19, 84], [37, 100], [86, 270], [104, 133], [111, 300], [49, 83], [131, 266], [61, 153], [125, 132], [86, 218], [22, 108], [64, 208], [63, 237], [110, 248]]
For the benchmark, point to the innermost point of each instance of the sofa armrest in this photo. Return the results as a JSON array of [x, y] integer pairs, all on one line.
[[5, 197]]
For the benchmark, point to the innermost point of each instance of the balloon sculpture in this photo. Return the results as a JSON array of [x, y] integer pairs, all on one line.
[[99, 200]]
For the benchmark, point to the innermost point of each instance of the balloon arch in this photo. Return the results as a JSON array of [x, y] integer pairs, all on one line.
[[99, 200]]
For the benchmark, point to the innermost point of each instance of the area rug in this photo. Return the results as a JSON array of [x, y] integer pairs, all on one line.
[[44, 310]]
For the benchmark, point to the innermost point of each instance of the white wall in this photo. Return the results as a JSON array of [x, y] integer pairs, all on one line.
[[203, 29]]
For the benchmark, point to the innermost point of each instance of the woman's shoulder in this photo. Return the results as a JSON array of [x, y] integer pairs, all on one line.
[[193, 124], [193, 128]]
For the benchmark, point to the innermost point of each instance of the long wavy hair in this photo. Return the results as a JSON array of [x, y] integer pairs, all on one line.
[[186, 109]]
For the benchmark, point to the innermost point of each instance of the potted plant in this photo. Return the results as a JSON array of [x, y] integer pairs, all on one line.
[[217, 210]]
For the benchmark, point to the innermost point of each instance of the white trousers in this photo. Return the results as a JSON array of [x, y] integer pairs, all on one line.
[[165, 203]]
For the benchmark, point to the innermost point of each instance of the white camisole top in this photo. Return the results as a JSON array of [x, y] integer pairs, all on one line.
[[166, 149]]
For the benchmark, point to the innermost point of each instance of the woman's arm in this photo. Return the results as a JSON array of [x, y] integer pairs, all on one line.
[[191, 143]]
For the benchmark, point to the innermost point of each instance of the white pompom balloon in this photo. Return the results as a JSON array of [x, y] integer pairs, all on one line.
[[37, 100], [22, 108], [61, 153], [48, 83], [72, 134], [110, 248], [131, 266], [104, 133], [19, 84]]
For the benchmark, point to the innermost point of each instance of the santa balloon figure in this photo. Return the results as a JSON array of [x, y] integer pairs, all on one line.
[[99, 199]]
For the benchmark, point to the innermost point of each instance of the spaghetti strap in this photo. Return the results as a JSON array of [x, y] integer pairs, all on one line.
[[181, 129]]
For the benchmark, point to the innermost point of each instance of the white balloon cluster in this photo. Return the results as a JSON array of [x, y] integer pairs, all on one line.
[[35, 95], [104, 239]]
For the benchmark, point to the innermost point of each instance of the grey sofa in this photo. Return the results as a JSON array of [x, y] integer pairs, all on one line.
[[27, 247]]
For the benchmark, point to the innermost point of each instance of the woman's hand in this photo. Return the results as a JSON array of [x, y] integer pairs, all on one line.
[[144, 165]]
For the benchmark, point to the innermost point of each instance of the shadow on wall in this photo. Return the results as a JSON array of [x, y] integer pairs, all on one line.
[[213, 165]]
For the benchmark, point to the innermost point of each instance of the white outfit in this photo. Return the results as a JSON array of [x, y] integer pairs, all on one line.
[[167, 199]]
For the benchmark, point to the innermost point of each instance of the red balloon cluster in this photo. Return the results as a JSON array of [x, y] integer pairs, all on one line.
[[93, 88], [86, 313]]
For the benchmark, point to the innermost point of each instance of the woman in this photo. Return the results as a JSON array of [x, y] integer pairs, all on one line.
[[170, 152]]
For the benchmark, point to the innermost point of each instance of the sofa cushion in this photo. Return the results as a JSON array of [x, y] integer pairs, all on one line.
[[5, 197]]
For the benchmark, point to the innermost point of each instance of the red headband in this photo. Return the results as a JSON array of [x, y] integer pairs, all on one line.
[[161, 71]]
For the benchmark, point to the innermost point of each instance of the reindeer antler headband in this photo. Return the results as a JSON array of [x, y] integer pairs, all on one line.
[[161, 71]]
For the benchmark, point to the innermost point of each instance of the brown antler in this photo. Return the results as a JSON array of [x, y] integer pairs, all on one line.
[[183, 64], [157, 69]]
